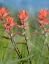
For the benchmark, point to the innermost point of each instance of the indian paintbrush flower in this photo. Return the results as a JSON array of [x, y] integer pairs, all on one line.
[[3, 13], [9, 24], [23, 16], [42, 18]]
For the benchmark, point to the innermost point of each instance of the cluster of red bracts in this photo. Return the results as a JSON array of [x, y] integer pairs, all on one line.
[[3, 13], [10, 23], [43, 18], [23, 17]]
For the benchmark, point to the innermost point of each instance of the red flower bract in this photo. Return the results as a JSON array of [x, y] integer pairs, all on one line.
[[44, 21], [42, 18], [23, 16], [3, 13], [43, 14], [9, 24]]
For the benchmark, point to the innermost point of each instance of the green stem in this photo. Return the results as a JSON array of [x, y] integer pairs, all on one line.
[[27, 45], [16, 48], [45, 38], [45, 42]]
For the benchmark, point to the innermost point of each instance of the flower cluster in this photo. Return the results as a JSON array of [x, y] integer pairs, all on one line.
[[23, 17], [42, 18], [3, 13], [9, 24]]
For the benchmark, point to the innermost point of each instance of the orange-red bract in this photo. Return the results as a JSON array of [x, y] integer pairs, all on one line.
[[43, 14], [23, 16], [9, 24], [42, 18], [3, 13]]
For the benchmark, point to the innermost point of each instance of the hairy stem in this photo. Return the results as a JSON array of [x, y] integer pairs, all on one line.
[[45, 37], [15, 48], [27, 45]]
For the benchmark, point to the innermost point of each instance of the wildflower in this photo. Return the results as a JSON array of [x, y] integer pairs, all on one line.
[[3, 13], [23, 16], [43, 14], [42, 18], [9, 24]]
